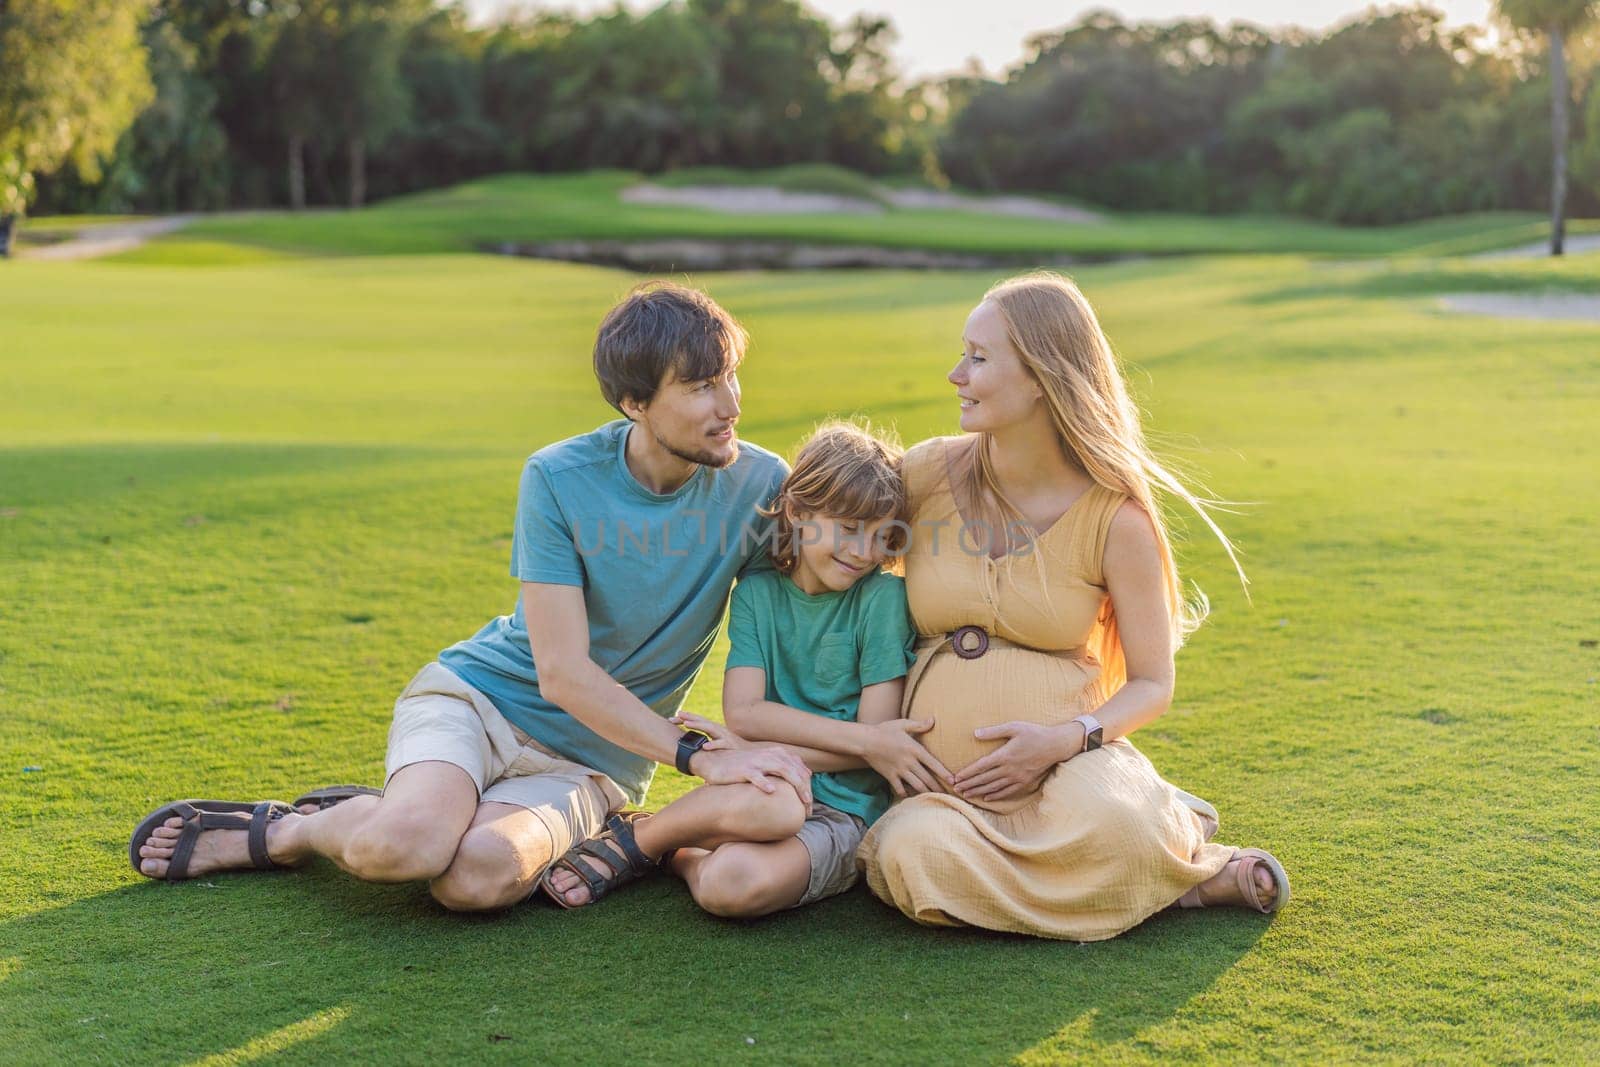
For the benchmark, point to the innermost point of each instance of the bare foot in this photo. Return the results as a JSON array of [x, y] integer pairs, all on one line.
[[216, 850], [1222, 889]]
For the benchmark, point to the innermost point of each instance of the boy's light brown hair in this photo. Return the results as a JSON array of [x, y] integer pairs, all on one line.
[[845, 470], [660, 327]]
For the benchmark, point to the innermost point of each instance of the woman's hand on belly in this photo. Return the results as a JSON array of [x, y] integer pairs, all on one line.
[[1017, 767]]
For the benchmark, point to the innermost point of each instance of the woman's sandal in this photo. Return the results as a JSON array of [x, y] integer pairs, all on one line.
[[202, 815], [607, 860], [1249, 860], [329, 795]]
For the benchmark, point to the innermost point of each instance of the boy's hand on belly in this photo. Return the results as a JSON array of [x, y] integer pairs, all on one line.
[[1017, 767], [895, 753]]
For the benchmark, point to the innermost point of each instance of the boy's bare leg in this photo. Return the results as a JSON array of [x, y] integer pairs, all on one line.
[[709, 816], [408, 834], [745, 879]]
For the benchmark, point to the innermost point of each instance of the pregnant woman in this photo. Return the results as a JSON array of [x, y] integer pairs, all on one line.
[[1043, 588]]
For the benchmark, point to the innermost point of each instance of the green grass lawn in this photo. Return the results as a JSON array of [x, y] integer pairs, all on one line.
[[240, 505], [524, 208]]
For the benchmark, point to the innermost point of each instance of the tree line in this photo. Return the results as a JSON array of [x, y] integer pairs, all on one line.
[[168, 105], [1389, 118]]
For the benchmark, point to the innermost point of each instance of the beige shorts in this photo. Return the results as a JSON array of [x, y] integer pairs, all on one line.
[[831, 836], [441, 718]]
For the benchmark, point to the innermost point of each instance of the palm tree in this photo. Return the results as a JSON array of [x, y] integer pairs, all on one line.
[[1557, 19]]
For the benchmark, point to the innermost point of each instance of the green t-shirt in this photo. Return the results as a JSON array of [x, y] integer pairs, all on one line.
[[819, 652]]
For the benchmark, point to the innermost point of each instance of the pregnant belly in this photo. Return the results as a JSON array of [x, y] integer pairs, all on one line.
[[1004, 685]]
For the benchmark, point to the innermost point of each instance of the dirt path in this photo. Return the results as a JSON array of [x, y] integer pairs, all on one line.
[[1547, 307], [92, 242], [671, 256], [1575, 245]]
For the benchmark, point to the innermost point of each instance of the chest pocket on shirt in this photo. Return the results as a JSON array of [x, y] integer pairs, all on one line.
[[837, 661]]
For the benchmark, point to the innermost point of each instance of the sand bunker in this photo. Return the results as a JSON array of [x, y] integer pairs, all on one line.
[[751, 200], [673, 256], [1549, 307], [766, 200], [1022, 207]]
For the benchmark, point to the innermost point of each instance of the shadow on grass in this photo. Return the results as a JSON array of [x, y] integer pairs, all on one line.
[[248, 964], [54, 475], [83, 505]]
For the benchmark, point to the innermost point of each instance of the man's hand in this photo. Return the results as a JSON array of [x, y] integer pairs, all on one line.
[[893, 751], [1017, 767], [756, 764]]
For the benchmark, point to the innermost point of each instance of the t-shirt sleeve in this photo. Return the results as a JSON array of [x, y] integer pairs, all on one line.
[[542, 548], [744, 629], [760, 560], [886, 636]]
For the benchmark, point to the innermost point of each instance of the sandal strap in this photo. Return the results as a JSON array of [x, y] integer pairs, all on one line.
[[1245, 873], [178, 866], [607, 872], [599, 884], [621, 829], [330, 795], [197, 821], [268, 811]]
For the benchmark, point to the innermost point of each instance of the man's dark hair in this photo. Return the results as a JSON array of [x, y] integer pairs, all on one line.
[[661, 327]]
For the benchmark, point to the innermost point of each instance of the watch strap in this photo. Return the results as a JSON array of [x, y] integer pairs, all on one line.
[[691, 742], [1093, 732]]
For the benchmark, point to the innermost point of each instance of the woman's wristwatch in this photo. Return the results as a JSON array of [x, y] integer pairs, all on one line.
[[1093, 732], [691, 742]]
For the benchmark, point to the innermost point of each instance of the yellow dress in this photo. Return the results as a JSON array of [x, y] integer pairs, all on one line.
[[1105, 842]]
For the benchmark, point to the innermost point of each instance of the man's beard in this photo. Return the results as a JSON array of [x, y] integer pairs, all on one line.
[[704, 459]]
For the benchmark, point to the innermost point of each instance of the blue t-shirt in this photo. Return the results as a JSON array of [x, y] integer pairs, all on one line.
[[819, 651], [655, 570]]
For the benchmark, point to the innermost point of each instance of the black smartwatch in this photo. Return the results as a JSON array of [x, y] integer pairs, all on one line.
[[691, 742]]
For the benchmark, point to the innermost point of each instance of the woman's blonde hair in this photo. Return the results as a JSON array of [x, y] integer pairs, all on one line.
[[845, 470], [1052, 327]]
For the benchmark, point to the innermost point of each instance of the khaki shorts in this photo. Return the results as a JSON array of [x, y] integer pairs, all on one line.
[[441, 718], [831, 836]]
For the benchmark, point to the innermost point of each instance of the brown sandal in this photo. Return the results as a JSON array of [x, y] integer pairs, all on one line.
[[329, 795], [202, 815], [607, 860], [1249, 859]]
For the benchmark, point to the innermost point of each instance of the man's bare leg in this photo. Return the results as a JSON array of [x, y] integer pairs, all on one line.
[[709, 816], [408, 834], [498, 862]]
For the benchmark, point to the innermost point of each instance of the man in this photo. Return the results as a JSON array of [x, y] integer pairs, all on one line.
[[521, 740]]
